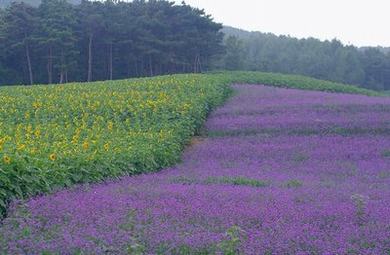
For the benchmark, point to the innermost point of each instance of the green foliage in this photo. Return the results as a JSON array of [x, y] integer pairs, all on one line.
[[231, 245], [185, 180], [233, 59], [56, 37], [296, 82], [360, 203], [16, 37], [300, 157], [386, 153], [294, 184], [238, 181]]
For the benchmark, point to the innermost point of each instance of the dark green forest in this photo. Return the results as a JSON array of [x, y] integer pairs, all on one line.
[[57, 41], [329, 60], [5, 3]]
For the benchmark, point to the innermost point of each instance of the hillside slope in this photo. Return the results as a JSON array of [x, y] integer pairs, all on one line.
[[59, 135], [280, 171]]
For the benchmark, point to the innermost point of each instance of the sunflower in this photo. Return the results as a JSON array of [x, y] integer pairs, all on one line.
[[110, 125], [21, 147], [7, 159], [37, 133], [85, 145], [53, 157], [106, 146]]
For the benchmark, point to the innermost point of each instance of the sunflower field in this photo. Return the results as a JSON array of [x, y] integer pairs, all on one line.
[[56, 136]]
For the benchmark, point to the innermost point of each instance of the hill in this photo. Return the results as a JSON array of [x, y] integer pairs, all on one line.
[[273, 163], [244, 34], [112, 124], [329, 60]]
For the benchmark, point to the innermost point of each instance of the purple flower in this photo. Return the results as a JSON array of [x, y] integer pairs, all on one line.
[[327, 192]]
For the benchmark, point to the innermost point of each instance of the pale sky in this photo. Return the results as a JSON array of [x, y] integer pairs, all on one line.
[[359, 22]]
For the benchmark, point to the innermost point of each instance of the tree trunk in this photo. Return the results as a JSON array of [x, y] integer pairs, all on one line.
[[128, 69], [29, 64], [196, 64], [110, 60], [142, 65], [151, 65], [136, 69], [90, 58], [62, 73], [49, 66], [199, 65]]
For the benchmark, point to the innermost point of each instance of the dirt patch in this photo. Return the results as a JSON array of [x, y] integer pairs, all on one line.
[[196, 140]]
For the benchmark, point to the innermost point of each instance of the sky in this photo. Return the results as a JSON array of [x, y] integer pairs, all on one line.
[[357, 22]]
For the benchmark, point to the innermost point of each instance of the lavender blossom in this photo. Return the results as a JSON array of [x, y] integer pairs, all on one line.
[[326, 191]]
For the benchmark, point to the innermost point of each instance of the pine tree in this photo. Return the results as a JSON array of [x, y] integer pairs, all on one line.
[[18, 30], [92, 25], [57, 36]]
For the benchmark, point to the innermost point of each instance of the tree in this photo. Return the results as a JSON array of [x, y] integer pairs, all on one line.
[[376, 67], [329, 60], [234, 56], [18, 30], [91, 24], [111, 27], [201, 38], [57, 36]]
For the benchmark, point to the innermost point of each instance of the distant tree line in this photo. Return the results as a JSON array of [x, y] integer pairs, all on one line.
[[54, 41], [58, 42], [329, 60]]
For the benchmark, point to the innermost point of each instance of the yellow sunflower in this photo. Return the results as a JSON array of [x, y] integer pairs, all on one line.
[[7, 159], [85, 145], [53, 157]]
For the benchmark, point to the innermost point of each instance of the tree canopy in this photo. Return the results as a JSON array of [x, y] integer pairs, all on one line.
[[328, 60], [58, 42]]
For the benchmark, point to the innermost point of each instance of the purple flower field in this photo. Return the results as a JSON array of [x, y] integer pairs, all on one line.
[[282, 172]]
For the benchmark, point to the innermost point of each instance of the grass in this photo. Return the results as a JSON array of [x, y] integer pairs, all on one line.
[[386, 153], [297, 82], [293, 184], [238, 181], [301, 132], [229, 180], [300, 157]]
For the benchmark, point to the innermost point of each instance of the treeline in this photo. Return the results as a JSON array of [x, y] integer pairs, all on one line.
[[58, 42], [5, 3], [328, 60]]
